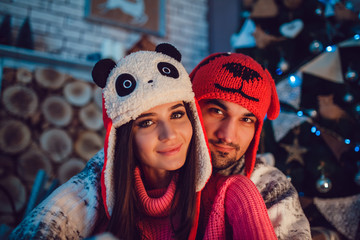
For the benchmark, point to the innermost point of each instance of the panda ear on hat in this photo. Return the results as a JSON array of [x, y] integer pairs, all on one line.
[[169, 50], [101, 71]]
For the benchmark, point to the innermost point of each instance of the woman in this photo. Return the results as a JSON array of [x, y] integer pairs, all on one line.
[[150, 145], [146, 182]]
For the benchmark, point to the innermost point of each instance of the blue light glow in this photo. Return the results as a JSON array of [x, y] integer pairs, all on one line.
[[294, 81], [330, 48], [300, 113], [357, 148], [317, 133], [313, 129], [356, 36], [347, 141]]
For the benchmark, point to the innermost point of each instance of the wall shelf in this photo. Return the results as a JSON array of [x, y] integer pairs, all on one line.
[[13, 56]]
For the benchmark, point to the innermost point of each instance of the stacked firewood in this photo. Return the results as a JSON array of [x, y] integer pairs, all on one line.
[[48, 120]]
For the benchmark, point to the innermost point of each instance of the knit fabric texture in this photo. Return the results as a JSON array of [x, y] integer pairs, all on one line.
[[155, 204], [280, 197], [232, 208], [135, 84], [239, 79]]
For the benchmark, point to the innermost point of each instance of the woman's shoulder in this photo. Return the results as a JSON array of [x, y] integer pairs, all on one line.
[[69, 211]]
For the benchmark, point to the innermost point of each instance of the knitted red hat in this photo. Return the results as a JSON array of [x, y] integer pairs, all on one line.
[[238, 78]]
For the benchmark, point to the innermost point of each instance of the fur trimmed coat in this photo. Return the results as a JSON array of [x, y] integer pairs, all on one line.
[[70, 212]]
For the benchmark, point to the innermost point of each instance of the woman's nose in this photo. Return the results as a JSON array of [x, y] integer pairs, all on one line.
[[166, 131]]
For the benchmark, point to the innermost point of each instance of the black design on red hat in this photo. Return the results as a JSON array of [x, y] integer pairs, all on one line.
[[245, 74]]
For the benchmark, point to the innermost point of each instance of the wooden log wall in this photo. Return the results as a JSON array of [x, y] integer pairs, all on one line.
[[49, 120]]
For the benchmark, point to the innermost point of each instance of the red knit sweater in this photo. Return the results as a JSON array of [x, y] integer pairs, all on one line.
[[232, 208], [156, 205]]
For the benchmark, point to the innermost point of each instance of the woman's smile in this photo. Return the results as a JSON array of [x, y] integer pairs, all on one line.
[[170, 151]]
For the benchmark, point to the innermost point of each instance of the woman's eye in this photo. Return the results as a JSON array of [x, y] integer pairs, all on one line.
[[145, 124], [177, 115]]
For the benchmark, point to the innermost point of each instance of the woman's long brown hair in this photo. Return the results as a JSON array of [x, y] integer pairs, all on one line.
[[125, 215]]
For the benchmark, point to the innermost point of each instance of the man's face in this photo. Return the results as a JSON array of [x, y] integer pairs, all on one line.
[[229, 128]]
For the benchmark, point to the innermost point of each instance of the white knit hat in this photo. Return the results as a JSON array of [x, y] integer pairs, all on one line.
[[137, 83]]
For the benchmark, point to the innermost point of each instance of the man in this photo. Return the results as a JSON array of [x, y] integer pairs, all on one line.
[[235, 93]]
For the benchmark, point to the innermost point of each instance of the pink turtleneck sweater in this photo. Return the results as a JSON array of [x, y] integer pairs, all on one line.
[[156, 206], [232, 208]]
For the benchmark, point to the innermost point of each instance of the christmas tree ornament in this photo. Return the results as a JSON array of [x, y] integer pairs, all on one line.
[[311, 113], [348, 98], [351, 75], [357, 109], [295, 150], [316, 47], [323, 184], [319, 11], [283, 65]]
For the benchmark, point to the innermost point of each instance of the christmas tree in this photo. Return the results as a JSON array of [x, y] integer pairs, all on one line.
[[312, 50]]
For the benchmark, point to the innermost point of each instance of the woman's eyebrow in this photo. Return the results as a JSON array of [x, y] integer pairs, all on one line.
[[145, 115], [176, 106], [153, 114]]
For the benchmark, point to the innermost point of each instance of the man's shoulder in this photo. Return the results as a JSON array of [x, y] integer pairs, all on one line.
[[272, 183], [264, 172]]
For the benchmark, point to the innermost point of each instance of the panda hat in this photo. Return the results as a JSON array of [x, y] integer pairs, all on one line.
[[137, 83]]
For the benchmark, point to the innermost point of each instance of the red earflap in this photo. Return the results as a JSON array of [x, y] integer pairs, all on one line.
[[106, 119], [274, 107]]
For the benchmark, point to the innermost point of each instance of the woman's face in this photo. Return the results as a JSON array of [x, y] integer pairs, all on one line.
[[162, 136]]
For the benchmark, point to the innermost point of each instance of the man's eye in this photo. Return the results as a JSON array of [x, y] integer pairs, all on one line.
[[216, 111], [177, 115], [248, 120], [145, 123]]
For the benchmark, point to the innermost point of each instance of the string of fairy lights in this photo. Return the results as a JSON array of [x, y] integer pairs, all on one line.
[[295, 81]]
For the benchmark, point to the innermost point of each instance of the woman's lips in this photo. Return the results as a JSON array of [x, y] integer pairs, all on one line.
[[170, 150]]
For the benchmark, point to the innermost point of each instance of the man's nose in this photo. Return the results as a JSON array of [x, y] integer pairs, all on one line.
[[227, 130], [166, 131]]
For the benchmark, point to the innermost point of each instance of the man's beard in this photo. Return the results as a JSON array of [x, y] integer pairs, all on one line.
[[222, 160]]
